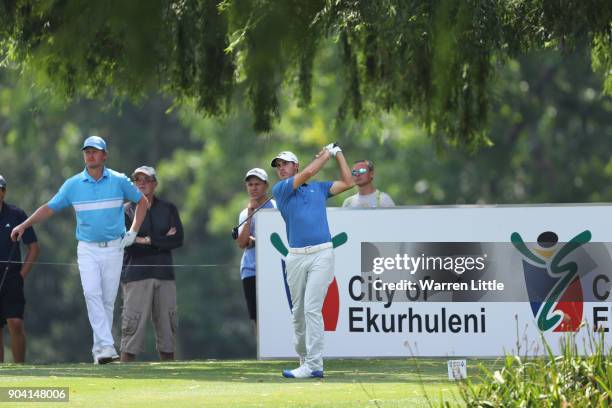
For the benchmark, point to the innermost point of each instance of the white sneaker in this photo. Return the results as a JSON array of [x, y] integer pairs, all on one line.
[[95, 355], [106, 354], [302, 372]]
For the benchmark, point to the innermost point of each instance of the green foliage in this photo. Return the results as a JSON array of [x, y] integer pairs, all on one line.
[[550, 123], [199, 66], [436, 60], [567, 380], [602, 58]]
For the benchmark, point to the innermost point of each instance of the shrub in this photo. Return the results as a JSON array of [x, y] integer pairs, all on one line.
[[567, 380]]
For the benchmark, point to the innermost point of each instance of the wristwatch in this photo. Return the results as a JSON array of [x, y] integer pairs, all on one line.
[[148, 240]]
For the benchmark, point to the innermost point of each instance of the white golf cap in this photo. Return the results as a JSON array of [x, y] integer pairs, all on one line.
[[257, 172], [286, 156], [146, 170]]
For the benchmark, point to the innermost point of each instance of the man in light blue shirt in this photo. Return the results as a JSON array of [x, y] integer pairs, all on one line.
[[310, 262], [256, 182], [97, 195]]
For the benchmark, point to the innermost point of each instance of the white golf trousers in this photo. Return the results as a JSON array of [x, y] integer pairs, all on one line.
[[308, 277], [100, 270]]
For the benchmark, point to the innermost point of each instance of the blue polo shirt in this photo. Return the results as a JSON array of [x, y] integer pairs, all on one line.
[[247, 263], [98, 204], [10, 217], [304, 212]]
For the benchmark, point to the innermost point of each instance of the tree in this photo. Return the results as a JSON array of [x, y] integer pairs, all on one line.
[[435, 59], [551, 125]]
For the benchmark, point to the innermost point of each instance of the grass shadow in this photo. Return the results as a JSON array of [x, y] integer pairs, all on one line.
[[336, 371]]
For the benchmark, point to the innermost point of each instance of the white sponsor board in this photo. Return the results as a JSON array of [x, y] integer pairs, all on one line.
[[400, 329]]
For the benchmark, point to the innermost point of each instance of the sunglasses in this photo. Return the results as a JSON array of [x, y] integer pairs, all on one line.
[[357, 172], [143, 180]]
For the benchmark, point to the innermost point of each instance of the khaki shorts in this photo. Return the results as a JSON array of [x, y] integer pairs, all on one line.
[[144, 299]]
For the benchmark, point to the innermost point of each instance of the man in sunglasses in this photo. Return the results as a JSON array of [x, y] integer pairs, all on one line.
[[147, 280], [368, 196]]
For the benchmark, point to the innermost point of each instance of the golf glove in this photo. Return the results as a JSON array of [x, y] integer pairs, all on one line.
[[332, 148], [128, 239]]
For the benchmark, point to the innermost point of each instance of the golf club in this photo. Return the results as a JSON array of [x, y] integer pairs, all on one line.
[[8, 262], [235, 229]]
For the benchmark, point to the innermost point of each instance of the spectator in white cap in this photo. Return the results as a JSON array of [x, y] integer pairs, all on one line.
[[310, 262], [148, 282], [256, 182], [97, 195]]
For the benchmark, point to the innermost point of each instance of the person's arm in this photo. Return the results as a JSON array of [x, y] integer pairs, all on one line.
[[128, 215], [171, 239], [32, 255], [139, 213], [346, 181], [312, 169], [42, 213], [245, 239]]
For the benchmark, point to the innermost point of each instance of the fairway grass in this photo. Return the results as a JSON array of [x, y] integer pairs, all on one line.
[[239, 383]]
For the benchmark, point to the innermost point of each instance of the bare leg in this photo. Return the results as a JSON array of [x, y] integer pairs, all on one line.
[[18, 339]]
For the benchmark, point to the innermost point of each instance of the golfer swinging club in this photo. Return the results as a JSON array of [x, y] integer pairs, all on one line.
[[310, 261], [97, 195]]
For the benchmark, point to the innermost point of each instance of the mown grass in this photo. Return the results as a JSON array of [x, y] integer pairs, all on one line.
[[348, 383], [568, 380]]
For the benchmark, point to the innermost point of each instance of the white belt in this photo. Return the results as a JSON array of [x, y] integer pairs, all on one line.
[[103, 244], [310, 249]]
